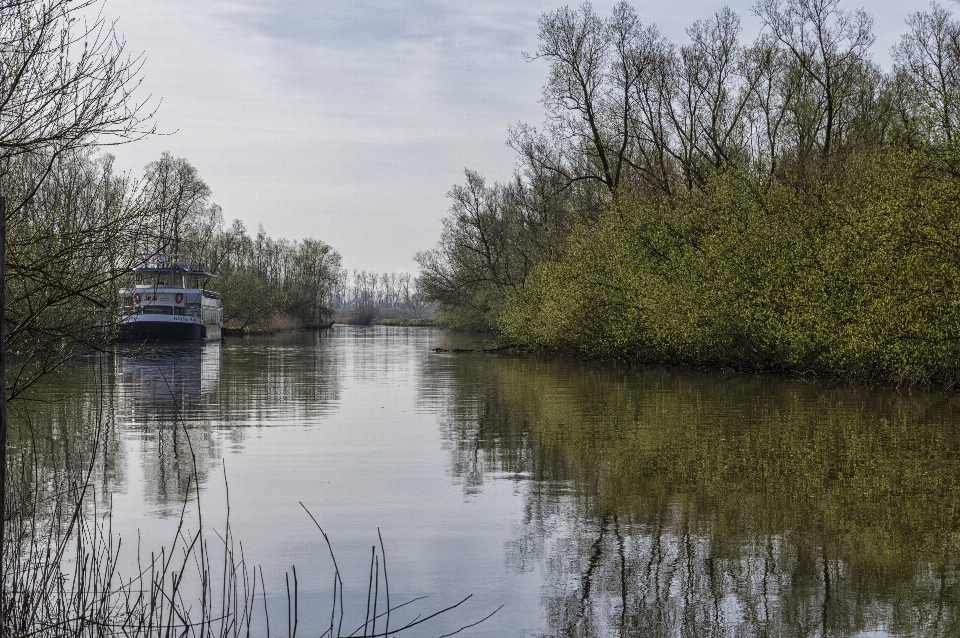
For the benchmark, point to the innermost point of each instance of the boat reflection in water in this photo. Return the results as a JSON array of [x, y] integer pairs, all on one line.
[[168, 383], [166, 399]]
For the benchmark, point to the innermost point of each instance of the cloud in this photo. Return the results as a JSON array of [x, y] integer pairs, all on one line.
[[349, 120]]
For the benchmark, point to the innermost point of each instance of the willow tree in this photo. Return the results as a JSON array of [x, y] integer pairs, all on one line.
[[176, 199]]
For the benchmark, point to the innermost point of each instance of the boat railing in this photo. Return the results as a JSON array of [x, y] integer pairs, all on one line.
[[166, 260], [125, 313], [172, 262]]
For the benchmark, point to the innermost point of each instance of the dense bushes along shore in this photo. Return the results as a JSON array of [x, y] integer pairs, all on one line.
[[856, 276], [781, 205]]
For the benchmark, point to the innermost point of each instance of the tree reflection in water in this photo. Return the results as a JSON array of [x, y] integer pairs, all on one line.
[[656, 502], [159, 395], [665, 503]]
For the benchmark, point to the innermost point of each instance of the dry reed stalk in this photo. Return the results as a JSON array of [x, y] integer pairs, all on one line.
[[61, 574]]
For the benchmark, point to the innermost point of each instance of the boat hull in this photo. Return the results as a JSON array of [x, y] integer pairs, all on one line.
[[140, 330]]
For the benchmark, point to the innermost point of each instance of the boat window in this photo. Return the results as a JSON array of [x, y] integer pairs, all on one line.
[[149, 279], [168, 279], [157, 310]]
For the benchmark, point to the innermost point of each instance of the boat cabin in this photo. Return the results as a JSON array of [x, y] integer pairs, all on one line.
[[169, 286]]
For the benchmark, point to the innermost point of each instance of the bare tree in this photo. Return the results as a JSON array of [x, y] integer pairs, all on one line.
[[929, 56], [828, 49], [596, 70], [575, 44], [65, 79], [176, 197], [488, 245], [66, 88], [724, 83], [65, 247]]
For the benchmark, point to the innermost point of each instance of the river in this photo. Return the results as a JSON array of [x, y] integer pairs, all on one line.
[[577, 498]]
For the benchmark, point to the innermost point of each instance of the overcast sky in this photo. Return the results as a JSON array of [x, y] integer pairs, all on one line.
[[349, 120]]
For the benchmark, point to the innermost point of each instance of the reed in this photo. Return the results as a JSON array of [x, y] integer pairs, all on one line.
[[62, 572]]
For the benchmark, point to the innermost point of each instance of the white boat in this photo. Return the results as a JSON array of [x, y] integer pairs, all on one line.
[[168, 302]]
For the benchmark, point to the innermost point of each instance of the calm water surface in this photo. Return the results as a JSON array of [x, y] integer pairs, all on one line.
[[587, 500]]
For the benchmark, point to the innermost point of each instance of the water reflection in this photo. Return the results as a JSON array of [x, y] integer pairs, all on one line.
[[627, 502], [161, 398], [289, 376], [662, 503], [165, 385], [177, 406]]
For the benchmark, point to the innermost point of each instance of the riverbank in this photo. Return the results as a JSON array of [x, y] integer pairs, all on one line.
[[287, 325], [409, 323], [942, 380], [404, 322], [275, 325]]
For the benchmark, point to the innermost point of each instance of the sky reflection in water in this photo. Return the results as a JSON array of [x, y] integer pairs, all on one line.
[[588, 500]]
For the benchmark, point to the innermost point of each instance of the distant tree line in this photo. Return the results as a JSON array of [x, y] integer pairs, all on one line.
[[361, 296], [777, 203]]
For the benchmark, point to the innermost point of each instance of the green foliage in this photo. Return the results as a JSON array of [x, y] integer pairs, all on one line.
[[783, 204], [262, 279], [249, 302], [858, 276]]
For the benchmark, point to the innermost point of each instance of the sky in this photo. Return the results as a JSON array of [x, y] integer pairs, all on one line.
[[349, 121]]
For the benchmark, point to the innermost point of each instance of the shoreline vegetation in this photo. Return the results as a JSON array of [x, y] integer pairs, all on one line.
[[768, 202], [361, 298], [285, 324], [408, 323]]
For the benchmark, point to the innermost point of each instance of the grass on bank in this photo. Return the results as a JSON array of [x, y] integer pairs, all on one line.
[[411, 323]]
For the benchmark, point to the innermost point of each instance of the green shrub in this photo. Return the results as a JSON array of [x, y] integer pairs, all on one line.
[[855, 274]]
